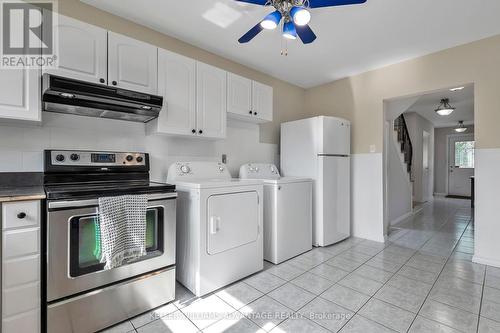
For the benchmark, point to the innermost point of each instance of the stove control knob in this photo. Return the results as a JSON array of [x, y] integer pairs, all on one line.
[[74, 157], [60, 158], [139, 159], [185, 169], [129, 158]]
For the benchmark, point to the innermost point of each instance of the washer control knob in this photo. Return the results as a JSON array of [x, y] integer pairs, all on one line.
[[185, 169], [139, 159], [74, 157], [129, 158], [60, 158]]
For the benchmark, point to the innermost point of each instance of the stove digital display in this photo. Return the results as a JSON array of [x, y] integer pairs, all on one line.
[[103, 158]]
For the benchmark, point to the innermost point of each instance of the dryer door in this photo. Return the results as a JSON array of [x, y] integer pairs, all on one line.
[[233, 221]]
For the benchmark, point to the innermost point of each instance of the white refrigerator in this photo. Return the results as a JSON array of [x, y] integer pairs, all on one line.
[[319, 148]]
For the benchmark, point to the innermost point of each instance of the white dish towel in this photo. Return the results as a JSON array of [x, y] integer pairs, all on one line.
[[122, 224]]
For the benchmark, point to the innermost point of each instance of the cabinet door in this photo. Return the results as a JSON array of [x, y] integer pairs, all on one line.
[[177, 85], [20, 94], [82, 51], [211, 101], [132, 64], [239, 95], [262, 101]]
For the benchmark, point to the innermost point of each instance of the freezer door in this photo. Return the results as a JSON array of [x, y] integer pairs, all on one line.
[[335, 136], [332, 201]]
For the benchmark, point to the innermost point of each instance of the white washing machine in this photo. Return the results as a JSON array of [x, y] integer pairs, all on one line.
[[219, 226], [287, 212]]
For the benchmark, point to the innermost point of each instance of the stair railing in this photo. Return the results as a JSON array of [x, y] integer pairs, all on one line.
[[405, 141]]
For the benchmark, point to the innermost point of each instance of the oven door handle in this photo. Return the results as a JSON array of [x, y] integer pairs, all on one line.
[[95, 202]]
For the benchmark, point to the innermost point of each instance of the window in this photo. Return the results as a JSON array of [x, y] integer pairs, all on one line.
[[464, 154]]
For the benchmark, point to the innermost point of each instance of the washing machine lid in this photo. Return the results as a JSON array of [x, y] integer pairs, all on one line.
[[218, 183], [287, 180]]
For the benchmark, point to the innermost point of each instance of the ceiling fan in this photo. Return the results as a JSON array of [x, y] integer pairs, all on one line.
[[295, 16]]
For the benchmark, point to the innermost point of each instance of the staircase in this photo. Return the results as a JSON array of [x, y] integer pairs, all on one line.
[[403, 138]]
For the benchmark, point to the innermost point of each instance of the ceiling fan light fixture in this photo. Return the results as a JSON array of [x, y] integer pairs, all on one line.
[[289, 31], [461, 127], [300, 15], [445, 109], [271, 21]]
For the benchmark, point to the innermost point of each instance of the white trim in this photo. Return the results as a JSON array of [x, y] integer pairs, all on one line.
[[448, 156], [486, 261], [436, 194], [401, 218]]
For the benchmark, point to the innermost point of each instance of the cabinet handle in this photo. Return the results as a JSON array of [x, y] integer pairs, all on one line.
[[21, 215], [200, 131], [102, 80], [255, 113], [250, 112], [193, 131], [114, 83]]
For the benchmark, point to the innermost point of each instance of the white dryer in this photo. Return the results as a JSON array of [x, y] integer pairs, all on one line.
[[219, 226], [287, 212]]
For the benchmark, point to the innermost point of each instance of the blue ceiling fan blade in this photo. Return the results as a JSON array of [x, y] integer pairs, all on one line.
[[255, 2], [305, 33], [331, 3], [251, 34]]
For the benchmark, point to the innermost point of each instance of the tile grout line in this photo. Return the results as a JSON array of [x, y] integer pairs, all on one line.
[[447, 260]]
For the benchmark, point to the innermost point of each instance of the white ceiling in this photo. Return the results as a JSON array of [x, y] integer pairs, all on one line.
[[351, 39], [462, 100]]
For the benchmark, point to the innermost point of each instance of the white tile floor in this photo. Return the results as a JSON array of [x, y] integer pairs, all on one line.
[[421, 281]]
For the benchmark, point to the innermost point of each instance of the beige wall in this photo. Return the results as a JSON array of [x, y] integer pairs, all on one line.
[[360, 98], [288, 98]]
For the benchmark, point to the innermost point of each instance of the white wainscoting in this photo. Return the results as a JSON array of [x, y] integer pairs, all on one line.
[[487, 192], [367, 218]]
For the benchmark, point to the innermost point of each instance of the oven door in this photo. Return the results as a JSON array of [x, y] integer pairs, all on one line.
[[74, 248]]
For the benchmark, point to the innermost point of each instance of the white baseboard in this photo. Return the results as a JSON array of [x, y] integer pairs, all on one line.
[[440, 194], [486, 261], [401, 218]]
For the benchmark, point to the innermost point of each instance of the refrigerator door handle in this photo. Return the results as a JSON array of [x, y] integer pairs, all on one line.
[[335, 155]]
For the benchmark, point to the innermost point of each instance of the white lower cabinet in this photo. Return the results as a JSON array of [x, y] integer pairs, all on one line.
[[20, 270]]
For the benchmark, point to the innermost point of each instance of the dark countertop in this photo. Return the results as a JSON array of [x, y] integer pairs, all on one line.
[[21, 186], [21, 193]]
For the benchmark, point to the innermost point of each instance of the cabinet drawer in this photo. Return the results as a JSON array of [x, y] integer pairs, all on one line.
[[21, 214], [21, 271], [18, 300], [17, 243], [28, 322]]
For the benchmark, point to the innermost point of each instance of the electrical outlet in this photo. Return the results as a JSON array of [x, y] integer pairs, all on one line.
[[224, 158], [373, 148]]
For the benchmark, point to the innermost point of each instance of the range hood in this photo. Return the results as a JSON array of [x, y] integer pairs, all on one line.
[[63, 95]]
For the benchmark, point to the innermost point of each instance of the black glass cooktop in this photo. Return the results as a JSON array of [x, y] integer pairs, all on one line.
[[103, 189]]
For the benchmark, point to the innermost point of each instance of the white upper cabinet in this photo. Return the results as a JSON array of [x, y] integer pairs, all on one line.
[[249, 100], [262, 101], [177, 85], [82, 51], [20, 94], [211, 101], [132, 64], [239, 95]]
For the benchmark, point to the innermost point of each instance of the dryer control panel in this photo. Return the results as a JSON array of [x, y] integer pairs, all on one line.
[[259, 171], [197, 170]]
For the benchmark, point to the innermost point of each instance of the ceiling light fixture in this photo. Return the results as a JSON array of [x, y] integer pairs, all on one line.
[[445, 109], [300, 15], [457, 88], [461, 127], [271, 21], [289, 31]]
